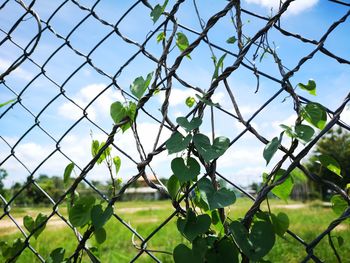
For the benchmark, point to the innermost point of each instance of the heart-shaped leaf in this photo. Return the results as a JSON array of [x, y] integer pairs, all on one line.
[[283, 190], [315, 114], [208, 151], [258, 242], [271, 148], [224, 251], [100, 235], [117, 111], [80, 212], [28, 223], [304, 132], [67, 172], [99, 217], [185, 172], [173, 186], [182, 42], [157, 11], [193, 226], [56, 256], [280, 223], [183, 254], [215, 198], [117, 163], [140, 85], [338, 204], [310, 87], [39, 221], [330, 163], [177, 143], [189, 126], [32, 225]]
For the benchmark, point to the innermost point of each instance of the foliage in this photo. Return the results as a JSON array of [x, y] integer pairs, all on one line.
[[330, 159]]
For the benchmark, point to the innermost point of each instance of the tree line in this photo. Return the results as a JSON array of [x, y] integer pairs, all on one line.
[[335, 144]]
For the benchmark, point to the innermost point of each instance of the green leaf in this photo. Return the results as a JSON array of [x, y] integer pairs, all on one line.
[[99, 217], [271, 148], [67, 172], [131, 113], [183, 254], [189, 126], [104, 154], [215, 198], [218, 65], [193, 226], [304, 132], [100, 235], [118, 112], [95, 146], [177, 143], [31, 225], [157, 11], [173, 186], [80, 212], [216, 222], [280, 223], [182, 42], [208, 151], [28, 223], [56, 256], [339, 205], [117, 163], [140, 85], [224, 251], [231, 40], [190, 101], [207, 102], [7, 102], [310, 87], [288, 130], [9, 252], [258, 242], [40, 219], [330, 163], [160, 37], [200, 248], [185, 172], [283, 190], [315, 114]]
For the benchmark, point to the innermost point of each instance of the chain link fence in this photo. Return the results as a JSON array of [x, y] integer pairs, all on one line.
[[51, 49]]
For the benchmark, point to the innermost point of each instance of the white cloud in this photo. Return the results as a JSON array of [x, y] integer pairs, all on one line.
[[19, 72], [99, 107], [295, 8], [345, 115]]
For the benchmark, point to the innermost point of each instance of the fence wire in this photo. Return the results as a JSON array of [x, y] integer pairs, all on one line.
[[168, 73]]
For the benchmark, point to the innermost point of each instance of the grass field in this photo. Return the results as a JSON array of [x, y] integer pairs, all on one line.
[[307, 220]]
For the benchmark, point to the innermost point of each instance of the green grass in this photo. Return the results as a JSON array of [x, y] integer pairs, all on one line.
[[307, 221]]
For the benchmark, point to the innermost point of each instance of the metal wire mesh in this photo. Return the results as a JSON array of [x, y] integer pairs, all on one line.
[[28, 32]]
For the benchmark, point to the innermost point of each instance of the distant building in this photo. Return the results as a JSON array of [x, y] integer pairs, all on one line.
[[141, 190]]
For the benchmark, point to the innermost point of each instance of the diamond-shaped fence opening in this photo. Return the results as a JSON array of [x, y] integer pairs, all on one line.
[[62, 65]]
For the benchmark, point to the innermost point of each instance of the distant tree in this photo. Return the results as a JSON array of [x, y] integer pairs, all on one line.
[[3, 175], [337, 145]]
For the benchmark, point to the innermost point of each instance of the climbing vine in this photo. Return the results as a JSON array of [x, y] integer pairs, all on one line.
[[199, 200]]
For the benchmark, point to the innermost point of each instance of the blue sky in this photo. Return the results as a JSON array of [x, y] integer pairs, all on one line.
[[242, 163]]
